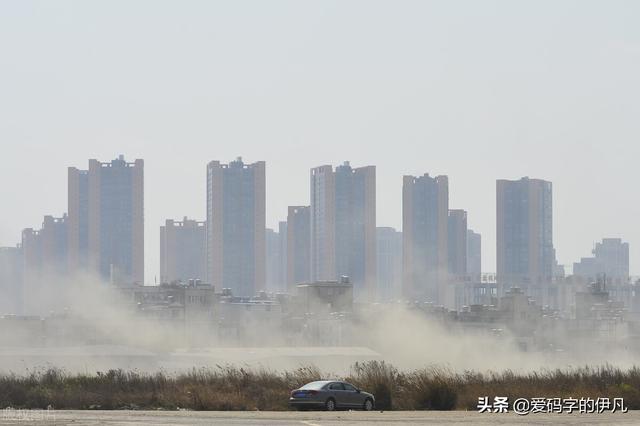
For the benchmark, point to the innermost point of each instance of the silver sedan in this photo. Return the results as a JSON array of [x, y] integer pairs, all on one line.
[[331, 395]]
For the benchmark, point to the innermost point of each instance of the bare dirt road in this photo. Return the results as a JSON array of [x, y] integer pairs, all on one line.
[[404, 418]]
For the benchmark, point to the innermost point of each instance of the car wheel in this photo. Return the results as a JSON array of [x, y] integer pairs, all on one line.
[[368, 405], [330, 405]]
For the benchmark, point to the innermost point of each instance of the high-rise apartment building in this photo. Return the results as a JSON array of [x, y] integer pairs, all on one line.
[[457, 244], [273, 260], [106, 220], [610, 260], [11, 281], [474, 254], [343, 226], [236, 226], [183, 251], [298, 246], [323, 224], [525, 252], [78, 219], [283, 235], [45, 263], [45, 250], [425, 234], [388, 264]]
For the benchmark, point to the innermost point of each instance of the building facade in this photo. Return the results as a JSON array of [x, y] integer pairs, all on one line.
[[46, 250], [425, 232], [343, 226], [106, 220], [323, 224], [457, 244], [388, 264], [11, 280], [298, 246], [474, 254], [610, 262], [273, 260], [283, 235], [525, 253], [183, 251], [236, 226], [45, 263]]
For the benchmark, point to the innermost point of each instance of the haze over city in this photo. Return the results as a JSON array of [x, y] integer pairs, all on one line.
[[404, 208], [476, 91]]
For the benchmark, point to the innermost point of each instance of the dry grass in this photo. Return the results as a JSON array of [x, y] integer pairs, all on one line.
[[231, 388]]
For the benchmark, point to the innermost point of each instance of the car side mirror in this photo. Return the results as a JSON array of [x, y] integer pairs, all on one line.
[[358, 390]]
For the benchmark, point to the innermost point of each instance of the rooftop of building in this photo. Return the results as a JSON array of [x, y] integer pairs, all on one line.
[[344, 282]]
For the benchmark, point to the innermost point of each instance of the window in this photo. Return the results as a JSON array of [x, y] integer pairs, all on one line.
[[349, 387], [314, 385], [336, 386]]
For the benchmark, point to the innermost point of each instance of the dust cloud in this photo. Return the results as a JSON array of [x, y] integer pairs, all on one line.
[[86, 325]]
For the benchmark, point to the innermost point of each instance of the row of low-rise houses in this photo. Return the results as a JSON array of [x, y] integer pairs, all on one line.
[[189, 314], [593, 321], [193, 314], [435, 259]]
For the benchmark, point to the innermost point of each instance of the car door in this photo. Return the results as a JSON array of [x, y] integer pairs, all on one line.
[[353, 397], [337, 391]]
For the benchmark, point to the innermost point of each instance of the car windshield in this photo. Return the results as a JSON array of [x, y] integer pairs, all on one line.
[[314, 385]]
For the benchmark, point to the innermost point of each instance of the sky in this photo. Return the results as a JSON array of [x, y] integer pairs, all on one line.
[[476, 90]]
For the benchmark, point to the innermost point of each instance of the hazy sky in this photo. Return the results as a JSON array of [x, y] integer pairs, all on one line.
[[477, 90]]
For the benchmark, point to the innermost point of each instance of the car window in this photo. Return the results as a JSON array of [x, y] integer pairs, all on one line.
[[349, 387], [314, 385], [336, 386]]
